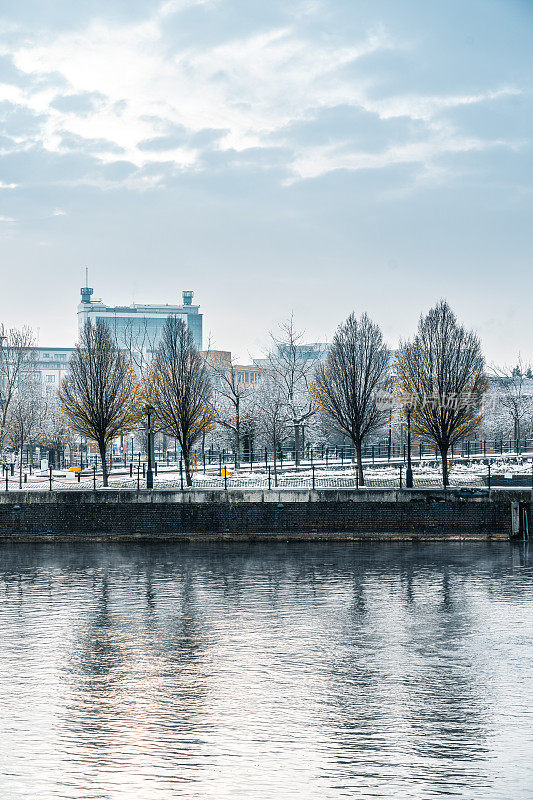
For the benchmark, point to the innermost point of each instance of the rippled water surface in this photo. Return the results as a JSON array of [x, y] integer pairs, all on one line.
[[309, 670]]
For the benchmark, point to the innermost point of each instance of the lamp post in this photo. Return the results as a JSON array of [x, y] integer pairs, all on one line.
[[148, 410], [409, 470]]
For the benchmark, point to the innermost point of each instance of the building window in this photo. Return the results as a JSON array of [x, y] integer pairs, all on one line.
[[50, 378]]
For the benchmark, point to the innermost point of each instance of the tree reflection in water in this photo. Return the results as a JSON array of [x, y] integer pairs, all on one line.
[[265, 670]]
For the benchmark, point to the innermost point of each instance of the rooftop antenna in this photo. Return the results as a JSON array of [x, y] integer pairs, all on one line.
[[86, 292]]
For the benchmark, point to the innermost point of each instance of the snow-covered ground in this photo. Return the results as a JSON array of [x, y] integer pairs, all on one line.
[[426, 474]]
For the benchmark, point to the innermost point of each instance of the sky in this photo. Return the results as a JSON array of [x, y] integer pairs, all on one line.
[[306, 157]]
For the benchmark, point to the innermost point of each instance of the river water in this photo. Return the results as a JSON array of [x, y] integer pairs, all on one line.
[[266, 670]]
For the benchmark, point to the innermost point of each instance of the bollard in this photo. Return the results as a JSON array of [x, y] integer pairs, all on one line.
[[78, 475], [155, 467], [181, 473], [25, 477], [313, 474], [144, 470], [138, 477], [94, 477], [401, 467], [50, 478], [269, 477], [225, 480], [488, 482], [357, 479], [131, 469], [7, 485]]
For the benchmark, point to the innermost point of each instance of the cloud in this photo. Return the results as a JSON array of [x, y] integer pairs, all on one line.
[[317, 161], [128, 96]]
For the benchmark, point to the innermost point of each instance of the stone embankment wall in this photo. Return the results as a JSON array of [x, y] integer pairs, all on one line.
[[291, 514]]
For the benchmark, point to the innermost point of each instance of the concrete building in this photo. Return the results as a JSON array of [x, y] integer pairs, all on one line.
[[140, 325], [220, 362]]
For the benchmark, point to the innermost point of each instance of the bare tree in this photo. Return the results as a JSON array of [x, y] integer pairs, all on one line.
[[347, 384], [180, 390], [441, 374], [230, 396], [515, 395], [274, 417], [26, 414], [293, 364], [100, 396], [17, 359], [54, 432]]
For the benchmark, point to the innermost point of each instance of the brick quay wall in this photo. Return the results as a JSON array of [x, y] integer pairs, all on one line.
[[108, 514]]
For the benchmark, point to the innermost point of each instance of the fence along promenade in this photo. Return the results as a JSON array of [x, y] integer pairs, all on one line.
[[327, 473]]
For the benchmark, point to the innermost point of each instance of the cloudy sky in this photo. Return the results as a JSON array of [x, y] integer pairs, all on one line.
[[315, 157]]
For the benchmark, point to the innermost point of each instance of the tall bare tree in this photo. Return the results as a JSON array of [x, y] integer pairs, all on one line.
[[274, 417], [179, 389], [100, 396], [347, 385], [230, 395], [27, 410], [293, 365], [54, 432], [441, 374], [516, 399], [17, 360]]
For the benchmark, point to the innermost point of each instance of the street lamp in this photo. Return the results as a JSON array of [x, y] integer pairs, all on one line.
[[409, 470], [148, 410]]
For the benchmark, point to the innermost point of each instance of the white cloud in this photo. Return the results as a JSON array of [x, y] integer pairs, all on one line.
[[316, 161], [253, 88]]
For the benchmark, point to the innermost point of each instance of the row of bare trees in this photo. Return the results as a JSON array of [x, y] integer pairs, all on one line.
[[438, 377], [104, 397]]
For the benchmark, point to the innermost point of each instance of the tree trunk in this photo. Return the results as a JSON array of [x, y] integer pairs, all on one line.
[[274, 454], [103, 459], [358, 448], [237, 434], [187, 464], [296, 444], [444, 455]]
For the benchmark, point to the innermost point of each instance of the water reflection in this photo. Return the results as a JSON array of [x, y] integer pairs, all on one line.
[[266, 670]]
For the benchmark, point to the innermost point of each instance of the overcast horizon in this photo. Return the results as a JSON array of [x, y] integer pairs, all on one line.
[[308, 157]]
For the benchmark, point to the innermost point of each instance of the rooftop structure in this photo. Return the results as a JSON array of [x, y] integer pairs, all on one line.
[[140, 325]]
